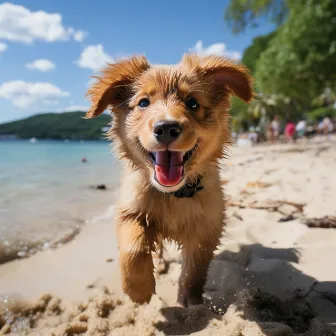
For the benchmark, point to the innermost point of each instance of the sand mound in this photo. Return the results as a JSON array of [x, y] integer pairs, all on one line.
[[253, 314]]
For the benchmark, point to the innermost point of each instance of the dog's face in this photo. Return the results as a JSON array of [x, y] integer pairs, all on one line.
[[170, 121]]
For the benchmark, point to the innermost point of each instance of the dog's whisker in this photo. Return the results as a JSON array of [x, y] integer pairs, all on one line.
[[209, 93], [125, 102], [195, 86]]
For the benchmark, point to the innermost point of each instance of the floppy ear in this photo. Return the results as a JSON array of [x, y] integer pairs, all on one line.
[[113, 86], [223, 74]]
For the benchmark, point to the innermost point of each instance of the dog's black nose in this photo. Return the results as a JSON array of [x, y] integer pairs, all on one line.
[[166, 131]]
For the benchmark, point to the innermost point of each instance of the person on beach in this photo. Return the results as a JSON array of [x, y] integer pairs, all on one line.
[[301, 128], [275, 127], [253, 135], [290, 131], [273, 130], [327, 126]]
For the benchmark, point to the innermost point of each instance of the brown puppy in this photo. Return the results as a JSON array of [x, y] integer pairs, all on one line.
[[171, 126]]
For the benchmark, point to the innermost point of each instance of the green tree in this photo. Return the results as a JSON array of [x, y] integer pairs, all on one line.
[[326, 98], [243, 13], [270, 106], [240, 116], [253, 52], [301, 59], [68, 125]]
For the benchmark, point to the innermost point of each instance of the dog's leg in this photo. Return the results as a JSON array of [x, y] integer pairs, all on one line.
[[160, 264], [135, 245], [195, 262]]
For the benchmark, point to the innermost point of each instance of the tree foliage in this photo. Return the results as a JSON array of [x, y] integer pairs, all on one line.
[[269, 105], [294, 67], [243, 13], [326, 98], [253, 52], [301, 59], [69, 125], [320, 113]]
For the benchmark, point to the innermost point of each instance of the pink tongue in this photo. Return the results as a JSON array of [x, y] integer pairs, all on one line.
[[168, 167]]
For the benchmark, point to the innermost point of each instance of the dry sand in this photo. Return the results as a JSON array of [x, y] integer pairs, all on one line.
[[269, 277]]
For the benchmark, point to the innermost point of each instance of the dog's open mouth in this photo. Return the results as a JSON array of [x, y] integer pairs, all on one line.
[[169, 166]]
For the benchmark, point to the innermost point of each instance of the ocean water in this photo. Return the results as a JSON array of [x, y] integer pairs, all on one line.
[[47, 194]]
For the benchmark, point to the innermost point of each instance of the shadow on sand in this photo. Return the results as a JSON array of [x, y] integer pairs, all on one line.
[[263, 289]]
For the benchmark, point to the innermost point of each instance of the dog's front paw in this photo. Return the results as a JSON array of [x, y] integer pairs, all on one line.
[[189, 300], [139, 288], [139, 296]]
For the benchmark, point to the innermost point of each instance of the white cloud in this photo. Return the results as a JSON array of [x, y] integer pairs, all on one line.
[[3, 47], [73, 108], [19, 24], [79, 35], [43, 65], [24, 94], [218, 49], [94, 57]]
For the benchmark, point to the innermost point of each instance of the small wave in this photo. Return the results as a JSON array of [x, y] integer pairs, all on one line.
[[108, 214], [19, 249]]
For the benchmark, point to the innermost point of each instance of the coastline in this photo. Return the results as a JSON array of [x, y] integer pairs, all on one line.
[[49, 193], [270, 276], [25, 247], [81, 262]]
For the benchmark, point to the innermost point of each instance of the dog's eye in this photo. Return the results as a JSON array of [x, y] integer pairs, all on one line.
[[143, 103], [192, 103]]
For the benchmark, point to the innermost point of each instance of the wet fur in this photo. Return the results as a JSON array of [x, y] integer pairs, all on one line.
[[146, 211]]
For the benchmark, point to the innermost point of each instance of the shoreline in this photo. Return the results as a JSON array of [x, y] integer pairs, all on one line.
[[31, 248], [49, 193], [47, 273], [19, 248]]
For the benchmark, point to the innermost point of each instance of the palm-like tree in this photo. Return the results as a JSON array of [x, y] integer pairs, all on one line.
[[326, 98], [269, 105]]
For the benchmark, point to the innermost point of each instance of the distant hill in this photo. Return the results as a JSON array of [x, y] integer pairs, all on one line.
[[67, 125]]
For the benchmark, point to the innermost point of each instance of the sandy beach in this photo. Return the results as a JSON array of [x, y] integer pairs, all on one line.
[[273, 274]]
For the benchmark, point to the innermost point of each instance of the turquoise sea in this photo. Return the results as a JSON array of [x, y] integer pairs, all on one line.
[[46, 191]]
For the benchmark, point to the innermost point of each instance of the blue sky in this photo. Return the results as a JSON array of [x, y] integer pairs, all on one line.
[[49, 48]]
